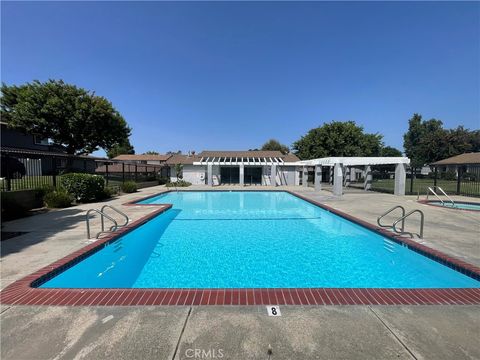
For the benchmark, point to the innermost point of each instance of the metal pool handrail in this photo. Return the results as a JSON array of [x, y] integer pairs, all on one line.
[[444, 193], [438, 197], [422, 222], [102, 210], [434, 193], [388, 212], [102, 214]]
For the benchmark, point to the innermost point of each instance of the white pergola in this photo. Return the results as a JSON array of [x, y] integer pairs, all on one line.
[[342, 165], [235, 160]]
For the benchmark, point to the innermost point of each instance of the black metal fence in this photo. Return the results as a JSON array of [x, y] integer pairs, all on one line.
[[27, 170], [117, 172], [454, 180]]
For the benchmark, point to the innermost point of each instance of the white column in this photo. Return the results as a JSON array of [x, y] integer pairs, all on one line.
[[210, 174], [337, 180], [273, 175], [400, 179], [367, 185], [348, 172], [330, 179], [305, 177], [318, 177], [242, 174]]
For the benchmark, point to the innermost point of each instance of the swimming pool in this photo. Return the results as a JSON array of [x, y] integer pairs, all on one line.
[[458, 205], [221, 240]]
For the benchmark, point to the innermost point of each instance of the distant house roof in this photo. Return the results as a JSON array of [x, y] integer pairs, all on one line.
[[251, 153], [463, 159], [182, 159], [142, 157]]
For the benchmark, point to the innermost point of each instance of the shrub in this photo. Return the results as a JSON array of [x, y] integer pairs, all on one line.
[[449, 175], [83, 187], [106, 193], [58, 199], [129, 187], [43, 190], [469, 176], [179, 183], [163, 180]]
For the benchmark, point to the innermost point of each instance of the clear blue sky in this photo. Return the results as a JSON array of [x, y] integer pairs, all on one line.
[[195, 76]]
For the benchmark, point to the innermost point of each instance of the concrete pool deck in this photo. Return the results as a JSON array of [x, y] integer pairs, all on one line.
[[42, 332]]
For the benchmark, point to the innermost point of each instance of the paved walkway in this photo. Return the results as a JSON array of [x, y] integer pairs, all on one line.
[[234, 332]]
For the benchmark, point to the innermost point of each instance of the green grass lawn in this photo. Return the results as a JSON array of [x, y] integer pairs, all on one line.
[[420, 185]]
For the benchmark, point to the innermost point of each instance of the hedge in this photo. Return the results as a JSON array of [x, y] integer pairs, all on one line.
[[83, 187]]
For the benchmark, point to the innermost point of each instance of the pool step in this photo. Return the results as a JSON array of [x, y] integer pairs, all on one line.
[[389, 245]]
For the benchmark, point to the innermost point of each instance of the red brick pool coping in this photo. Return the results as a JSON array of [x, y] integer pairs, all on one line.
[[24, 292]]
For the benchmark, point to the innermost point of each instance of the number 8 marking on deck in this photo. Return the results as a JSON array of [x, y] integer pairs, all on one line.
[[273, 310]]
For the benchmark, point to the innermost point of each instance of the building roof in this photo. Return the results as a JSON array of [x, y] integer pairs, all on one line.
[[249, 158], [142, 157], [249, 153], [12, 150], [182, 159], [463, 159]]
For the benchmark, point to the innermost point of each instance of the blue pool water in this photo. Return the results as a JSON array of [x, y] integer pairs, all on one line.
[[253, 240], [458, 205]]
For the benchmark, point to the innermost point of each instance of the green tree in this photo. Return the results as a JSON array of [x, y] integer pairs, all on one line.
[[69, 115], [120, 149], [389, 151], [338, 139], [151, 152], [179, 171], [427, 141], [275, 145], [461, 140]]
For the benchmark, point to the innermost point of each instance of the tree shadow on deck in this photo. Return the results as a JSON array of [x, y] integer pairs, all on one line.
[[39, 228]]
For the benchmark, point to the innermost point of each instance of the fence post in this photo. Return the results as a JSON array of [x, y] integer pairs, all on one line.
[[435, 177], [106, 173], [54, 171], [459, 178], [123, 172], [8, 177], [412, 172], [135, 172]]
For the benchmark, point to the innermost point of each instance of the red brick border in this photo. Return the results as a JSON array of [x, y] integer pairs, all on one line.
[[24, 292]]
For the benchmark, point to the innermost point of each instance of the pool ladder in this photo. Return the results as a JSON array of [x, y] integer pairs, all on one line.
[[401, 220], [103, 215], [438, 188]]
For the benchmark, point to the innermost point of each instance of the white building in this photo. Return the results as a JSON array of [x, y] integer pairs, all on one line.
[[236, 167]]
